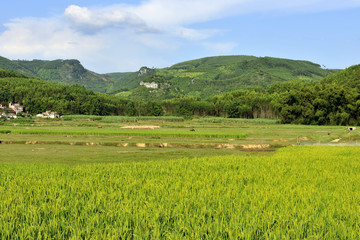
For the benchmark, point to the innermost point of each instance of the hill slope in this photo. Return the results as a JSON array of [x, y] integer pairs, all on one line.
[[202, 78], [39, 95], [349, 77], [215, 75], [68, 72]]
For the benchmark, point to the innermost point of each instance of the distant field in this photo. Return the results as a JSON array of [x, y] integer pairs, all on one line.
[[99, 130], [87, 178]]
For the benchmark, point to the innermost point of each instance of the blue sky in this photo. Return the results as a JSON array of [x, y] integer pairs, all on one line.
[[119, 36]]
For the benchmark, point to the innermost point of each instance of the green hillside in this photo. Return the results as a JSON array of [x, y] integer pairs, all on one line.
[[68, 72], [349, 77], [215, 75], [122, 82], [38, 96], [223, 74], [7, 64], [200, 78]]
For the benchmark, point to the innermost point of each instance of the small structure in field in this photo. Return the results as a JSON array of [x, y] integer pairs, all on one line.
[[351, 128]]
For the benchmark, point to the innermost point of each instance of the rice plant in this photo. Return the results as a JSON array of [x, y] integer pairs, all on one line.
[[298, 193]]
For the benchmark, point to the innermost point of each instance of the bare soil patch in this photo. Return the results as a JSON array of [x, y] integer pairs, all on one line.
[[140, 127], [256, 146]]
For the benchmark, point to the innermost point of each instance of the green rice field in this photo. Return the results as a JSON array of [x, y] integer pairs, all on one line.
[[57, 182]]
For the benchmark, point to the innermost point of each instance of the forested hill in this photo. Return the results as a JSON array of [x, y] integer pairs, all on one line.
[[38, 96], [349, 77], [215, 75], [335, 100], [196, 78], [68, 72]]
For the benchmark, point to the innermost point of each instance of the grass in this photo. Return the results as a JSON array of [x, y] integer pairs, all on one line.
[[208, 130], [240, 120], [81, 154], [121, 132], [111, 119], [296, 193]]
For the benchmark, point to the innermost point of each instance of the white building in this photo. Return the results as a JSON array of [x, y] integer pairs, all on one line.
[[16, 107], [48, 114]]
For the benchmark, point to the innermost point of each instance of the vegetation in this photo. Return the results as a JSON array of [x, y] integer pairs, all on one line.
[[120, 119], [103, 185], [197, 78], [10, 74], [335, 100], [38, 96], [300, 192], [153, 133], [210, 76], [69, 72], [91, 182]]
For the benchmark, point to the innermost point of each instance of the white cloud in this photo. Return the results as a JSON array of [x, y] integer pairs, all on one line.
[[124, 37], [46, 37], [194, 34], [90, 21], [184, 12]]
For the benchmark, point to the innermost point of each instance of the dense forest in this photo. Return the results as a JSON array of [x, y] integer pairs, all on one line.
[[37, 96], [335, 100]]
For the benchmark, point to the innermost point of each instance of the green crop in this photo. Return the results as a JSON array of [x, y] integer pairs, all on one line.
[[124, 132], [110, 119], [240, 120], [297, 193]]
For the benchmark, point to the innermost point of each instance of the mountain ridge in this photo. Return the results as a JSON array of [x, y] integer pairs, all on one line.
[[215, 75], [201, 78], [69, 72]]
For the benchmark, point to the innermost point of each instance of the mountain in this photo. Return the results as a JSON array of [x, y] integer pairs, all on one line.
[[215, 75], [200, 78], [68, 72]]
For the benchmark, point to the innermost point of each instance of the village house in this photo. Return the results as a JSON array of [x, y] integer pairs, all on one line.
[[8, 115], [11, 111], [48, 114], [16, 107]]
